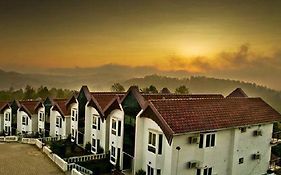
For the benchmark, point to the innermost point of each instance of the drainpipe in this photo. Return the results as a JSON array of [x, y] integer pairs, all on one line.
[[178, 148]]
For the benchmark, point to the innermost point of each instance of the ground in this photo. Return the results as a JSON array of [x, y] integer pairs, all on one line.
[[24, 159]]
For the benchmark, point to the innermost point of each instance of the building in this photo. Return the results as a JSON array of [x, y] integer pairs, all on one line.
[[27, 117], [5, 119], [88, 125], [185, 134], [59, 119]]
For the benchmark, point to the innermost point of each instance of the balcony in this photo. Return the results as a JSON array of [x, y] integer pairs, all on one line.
[[276, 138]]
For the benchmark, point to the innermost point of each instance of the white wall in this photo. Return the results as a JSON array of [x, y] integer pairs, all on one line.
[[143, 157], [74, 124], [91, 133], [7, 123], [41, 124], [20, 127], [231, 145], [115, 140], [54, 130]]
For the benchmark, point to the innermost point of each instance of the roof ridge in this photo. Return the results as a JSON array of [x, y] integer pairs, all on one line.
[[190, 99]]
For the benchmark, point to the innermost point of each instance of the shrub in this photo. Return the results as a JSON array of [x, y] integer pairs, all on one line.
[[100, 150], [88, 147], [140, 172]]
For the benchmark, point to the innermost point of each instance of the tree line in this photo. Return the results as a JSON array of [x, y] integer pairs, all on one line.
[[117, 87], [30, 92]]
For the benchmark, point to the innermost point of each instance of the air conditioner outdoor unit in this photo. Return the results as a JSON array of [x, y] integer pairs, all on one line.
[[193, 140], [257, 133], [192, 164], [256, 156]]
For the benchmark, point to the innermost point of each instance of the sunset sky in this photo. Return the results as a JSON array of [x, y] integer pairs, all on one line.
[[194, 35]]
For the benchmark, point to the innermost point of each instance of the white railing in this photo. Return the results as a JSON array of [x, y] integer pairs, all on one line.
[[85, 158], [28, 140], [38, 143], [60, 162], [48, 152], [48, 139], [8, 139], [75, 172], [79, 168]]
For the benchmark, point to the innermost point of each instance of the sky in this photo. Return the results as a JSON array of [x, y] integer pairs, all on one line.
[[238, 39]]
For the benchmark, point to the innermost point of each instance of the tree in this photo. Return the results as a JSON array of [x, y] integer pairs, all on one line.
[[182, 90], [117, 87], [29, 92], [43, 92], [150, 89]]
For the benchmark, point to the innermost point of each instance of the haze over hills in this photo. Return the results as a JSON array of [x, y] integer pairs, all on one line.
[[101, 78]]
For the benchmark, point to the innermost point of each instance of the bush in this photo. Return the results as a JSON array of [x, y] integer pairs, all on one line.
[[88, 147], [140, 172], [100, 150], [58, 148]]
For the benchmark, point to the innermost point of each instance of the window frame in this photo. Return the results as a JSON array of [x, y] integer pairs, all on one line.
[[7, 116], [150, 170], [24, 120], [208, 140], [59, 121], [114, 129], [113, 154], [41, 116], [94, 122], [152, 142]]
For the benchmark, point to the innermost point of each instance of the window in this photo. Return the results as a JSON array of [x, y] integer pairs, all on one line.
[[41, 116], [94, 125], [160, 143], [241, 160], [72, 134], [112, 157], [119, 128], [74, 115], [158, 172], [24, 120], [152, 142], [58, 122], [207, 171], [150, 170], [7, 129], [94, 148], [113, 127], [7, 116], [210, 140]]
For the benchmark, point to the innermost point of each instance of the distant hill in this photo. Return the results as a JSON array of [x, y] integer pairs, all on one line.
[[209, 85], [101, 79]]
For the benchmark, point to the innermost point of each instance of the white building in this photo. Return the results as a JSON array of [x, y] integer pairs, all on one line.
[[88, 125], [196, 135], [59, 119], [27, 121], [6, 119]]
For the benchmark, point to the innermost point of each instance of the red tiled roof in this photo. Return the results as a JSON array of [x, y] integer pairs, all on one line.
[[237, 93], [2, 104], [62, 106], [180, 96], [29, 106], [188, 115], [103, 98]]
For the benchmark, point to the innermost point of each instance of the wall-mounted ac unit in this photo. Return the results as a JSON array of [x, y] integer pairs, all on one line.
[[257, 133], [192, 164], [193, 140], [256, 156]]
